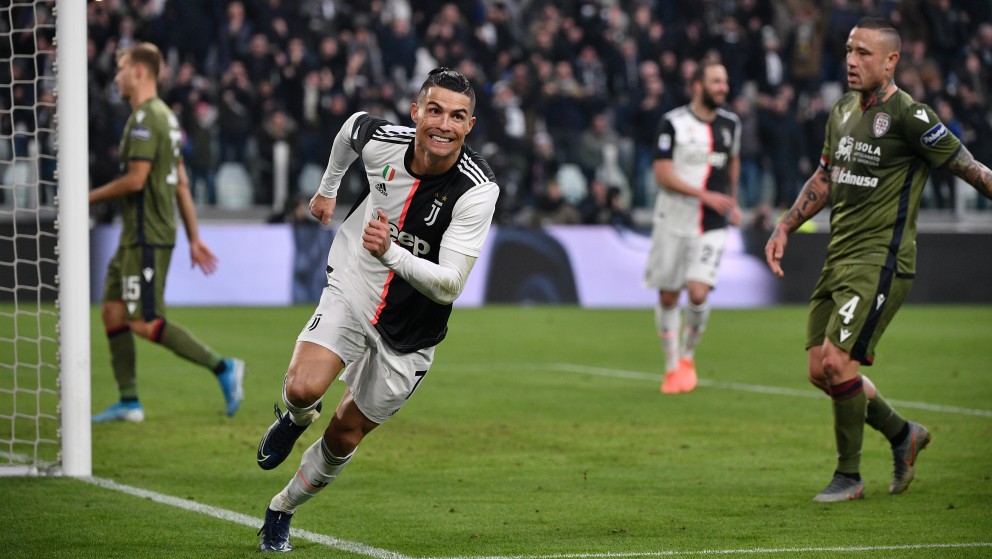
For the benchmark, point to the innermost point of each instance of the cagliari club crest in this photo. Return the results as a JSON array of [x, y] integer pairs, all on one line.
[[881, 124]]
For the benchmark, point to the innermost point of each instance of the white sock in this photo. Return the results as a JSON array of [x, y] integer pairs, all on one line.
[[300, 416], [318, 468], [696, 317], [669, 322]]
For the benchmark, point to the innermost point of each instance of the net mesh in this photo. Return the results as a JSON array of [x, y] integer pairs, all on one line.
[[29, 356]]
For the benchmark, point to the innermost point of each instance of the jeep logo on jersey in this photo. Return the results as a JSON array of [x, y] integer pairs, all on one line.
[[435, 209], [416, 245], [713, 159], [932, 136], [881, 124]]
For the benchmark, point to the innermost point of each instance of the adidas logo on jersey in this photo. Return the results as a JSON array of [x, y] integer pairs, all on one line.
[[381, 187]]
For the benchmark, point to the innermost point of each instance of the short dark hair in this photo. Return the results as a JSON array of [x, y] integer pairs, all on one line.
[[451, 80], [145, 54], [700, 72], [883, 25]]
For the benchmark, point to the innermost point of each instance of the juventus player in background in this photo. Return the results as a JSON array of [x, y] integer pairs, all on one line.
[[697, 165], [878, 150], [399, 260]]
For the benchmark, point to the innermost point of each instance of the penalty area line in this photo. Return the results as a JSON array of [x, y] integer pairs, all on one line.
[[243, 519]]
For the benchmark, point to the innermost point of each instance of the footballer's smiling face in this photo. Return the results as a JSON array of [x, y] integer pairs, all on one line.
[[443, 118]]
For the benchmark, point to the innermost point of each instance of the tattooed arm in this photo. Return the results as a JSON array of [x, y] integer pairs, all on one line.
[[964, 165], [812, 199]]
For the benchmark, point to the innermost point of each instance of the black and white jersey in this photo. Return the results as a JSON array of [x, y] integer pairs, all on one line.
[[700, 152], [453, 210]]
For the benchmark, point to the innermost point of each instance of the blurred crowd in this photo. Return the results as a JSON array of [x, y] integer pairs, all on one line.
[[570, 93]]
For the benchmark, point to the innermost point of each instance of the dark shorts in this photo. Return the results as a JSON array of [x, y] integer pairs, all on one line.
[[852, 305], [136, 275]]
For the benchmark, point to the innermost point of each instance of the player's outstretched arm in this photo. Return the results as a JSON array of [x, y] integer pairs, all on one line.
[[811, 200], [964, 165], [342, 154], [199, 253]]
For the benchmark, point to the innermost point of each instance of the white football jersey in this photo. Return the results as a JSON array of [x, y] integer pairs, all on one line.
[[453, 210], [700, 153]]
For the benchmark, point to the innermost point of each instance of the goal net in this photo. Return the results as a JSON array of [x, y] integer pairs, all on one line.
[[44, 368]]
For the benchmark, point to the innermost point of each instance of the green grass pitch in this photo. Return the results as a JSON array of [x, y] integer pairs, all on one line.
[[540, 432]]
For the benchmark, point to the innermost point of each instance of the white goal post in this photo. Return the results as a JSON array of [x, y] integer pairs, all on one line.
[[44, 241], [74, 238]]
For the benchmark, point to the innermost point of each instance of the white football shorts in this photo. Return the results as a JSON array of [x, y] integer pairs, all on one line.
[[675, 259], [380, 378]]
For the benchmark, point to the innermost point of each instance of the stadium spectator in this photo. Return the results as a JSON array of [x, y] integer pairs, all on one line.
[[235, 35], [375, 285], [871, 255], [697, 166], [805, 48], [236, 114], [594, 142], [552, 208], [603, 205], [278, 131], [651, 101], [942, 178], [199, 152], [152, 184], [749, 189], [779, 132], [399, 49]]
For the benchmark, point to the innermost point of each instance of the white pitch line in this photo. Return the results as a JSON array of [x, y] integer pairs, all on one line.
[[244, 519], [378, 553], [742, 387], [736, 386], [792, 550]]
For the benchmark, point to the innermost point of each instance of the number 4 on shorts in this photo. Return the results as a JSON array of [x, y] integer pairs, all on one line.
[[847, 311]]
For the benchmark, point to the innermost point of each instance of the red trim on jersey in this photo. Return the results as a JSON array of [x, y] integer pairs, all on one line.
[[399, 227], [706, 177]]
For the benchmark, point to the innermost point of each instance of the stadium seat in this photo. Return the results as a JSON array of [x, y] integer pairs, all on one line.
[[234, 190]]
